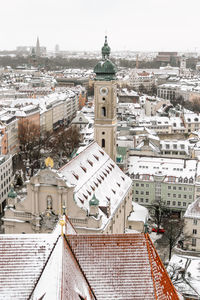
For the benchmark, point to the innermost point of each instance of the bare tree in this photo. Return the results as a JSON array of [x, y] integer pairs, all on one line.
[[180, 275], [63, 142], [159, 212], [173, 230]]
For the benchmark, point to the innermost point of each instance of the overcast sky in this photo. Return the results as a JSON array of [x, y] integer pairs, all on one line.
[[81, 24]]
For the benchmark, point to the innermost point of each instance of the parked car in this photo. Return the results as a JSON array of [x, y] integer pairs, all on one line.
[[161, 230]]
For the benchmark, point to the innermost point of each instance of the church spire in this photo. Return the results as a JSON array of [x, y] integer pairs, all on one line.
[[105, 50], [37, 48]]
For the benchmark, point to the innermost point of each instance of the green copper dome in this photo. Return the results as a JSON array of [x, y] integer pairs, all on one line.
[[105, 69], [94, 201], [12, 193]]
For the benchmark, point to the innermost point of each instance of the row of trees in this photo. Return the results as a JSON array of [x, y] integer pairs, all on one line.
[[193, 105], [36, 146], [173, 225]]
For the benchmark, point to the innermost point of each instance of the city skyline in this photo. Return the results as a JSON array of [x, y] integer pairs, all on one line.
[[81, 25]]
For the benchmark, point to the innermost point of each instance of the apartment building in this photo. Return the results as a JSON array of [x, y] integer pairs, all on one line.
[[8, 134], [192, 227], [5, 179], [167, 91], [172, 181]]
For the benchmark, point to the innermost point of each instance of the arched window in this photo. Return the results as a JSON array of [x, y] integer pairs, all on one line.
[[49, 202], [103, 143], [103, 111]]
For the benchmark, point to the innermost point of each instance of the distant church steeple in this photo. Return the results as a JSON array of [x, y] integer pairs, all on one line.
[[37, 48], [105, 95]]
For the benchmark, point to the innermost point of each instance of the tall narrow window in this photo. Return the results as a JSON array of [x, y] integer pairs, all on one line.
[[103, 111], [103, 143]]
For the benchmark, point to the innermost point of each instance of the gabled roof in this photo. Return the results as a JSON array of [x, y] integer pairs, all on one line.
[[122, 266], [49, 267], [93, 172], [193, 210]]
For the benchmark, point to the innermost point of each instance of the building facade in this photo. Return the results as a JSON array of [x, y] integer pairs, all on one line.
[[6, 179]]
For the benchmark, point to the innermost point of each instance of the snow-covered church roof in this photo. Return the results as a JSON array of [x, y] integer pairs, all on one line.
[[93, 172]]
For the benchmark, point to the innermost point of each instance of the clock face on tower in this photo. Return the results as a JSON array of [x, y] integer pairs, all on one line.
[[104, 91]]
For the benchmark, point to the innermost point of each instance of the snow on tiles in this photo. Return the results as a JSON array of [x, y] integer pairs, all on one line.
[[94, 173]]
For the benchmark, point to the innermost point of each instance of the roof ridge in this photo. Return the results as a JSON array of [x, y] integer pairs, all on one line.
[[68, 244]]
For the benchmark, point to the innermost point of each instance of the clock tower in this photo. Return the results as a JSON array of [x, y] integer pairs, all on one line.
[[105, 96]]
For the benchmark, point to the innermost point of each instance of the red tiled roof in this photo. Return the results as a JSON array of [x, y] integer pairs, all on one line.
[[124, 266], [74, 284], [22, 258]]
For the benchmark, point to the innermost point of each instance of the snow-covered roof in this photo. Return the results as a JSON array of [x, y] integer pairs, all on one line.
[[93, 172], [189, 285], [162, 166], [139, 213], [193, 210], [122, 266]]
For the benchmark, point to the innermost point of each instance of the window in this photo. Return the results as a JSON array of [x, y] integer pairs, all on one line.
[[103, 111], [142, 192], [179, 195], [174, 195], [103, 143], [168, 202], [185, 196], [179, 203], [147, 200], [194, 231], [147, 185], [136, 192], [171, 179], [184, 203], [174, 203], [180, 188], [145, 177], [195, 221], [136, 199], [174, 187], [141, 199], [190, 197], [137, 184], [142, 184], [169, 187], [168, 195], [193, 242]]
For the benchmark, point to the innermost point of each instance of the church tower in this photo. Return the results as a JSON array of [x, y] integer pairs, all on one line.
[[105, 96], [37, 48]]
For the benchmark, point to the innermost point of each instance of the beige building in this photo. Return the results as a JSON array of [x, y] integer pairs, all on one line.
[[192, 226], [5, 179], [95, 193], [105, 94]]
